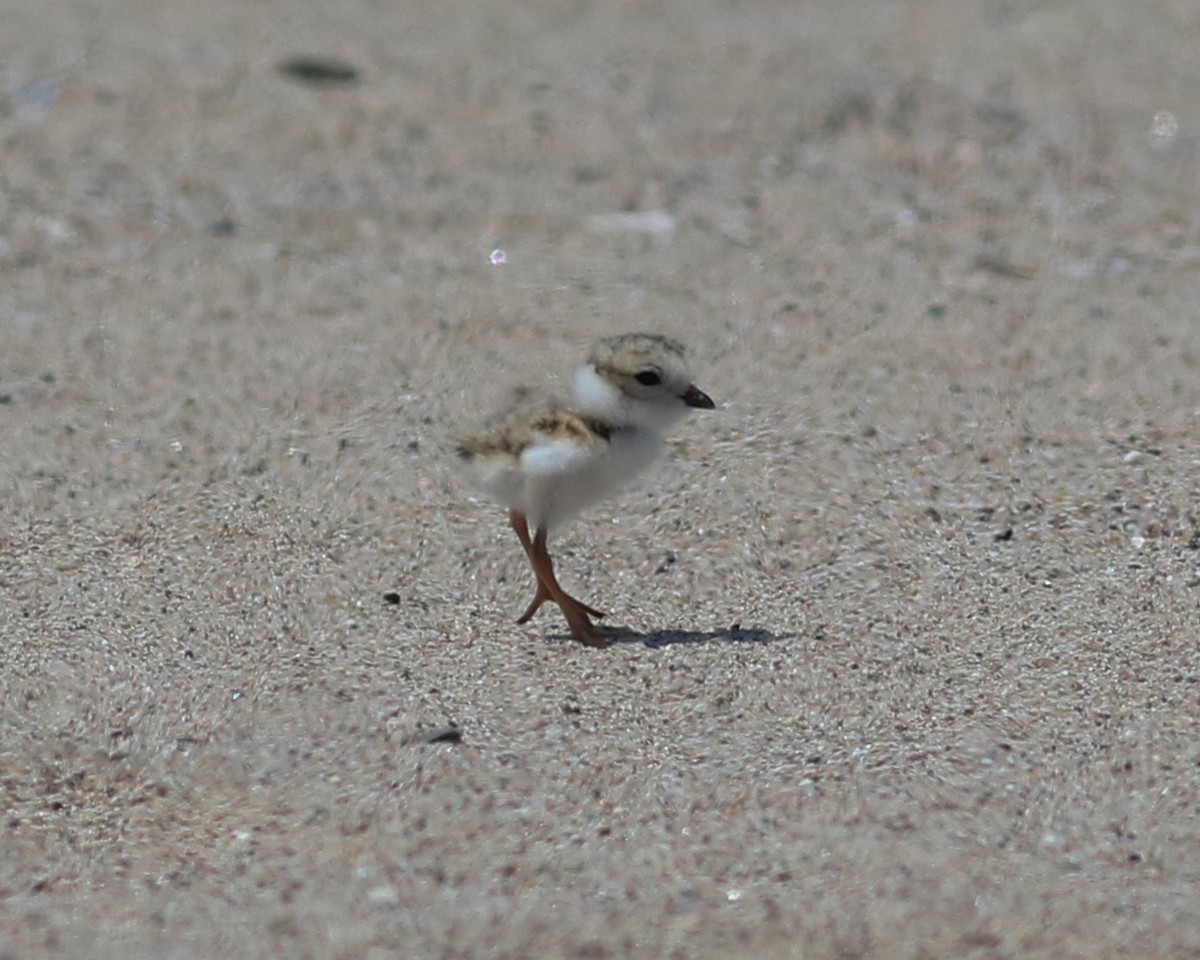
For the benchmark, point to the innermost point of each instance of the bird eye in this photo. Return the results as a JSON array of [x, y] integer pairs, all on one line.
[[648, 378]]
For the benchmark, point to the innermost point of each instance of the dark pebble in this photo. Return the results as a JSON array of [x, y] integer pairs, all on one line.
[[450, 734], [319, 70]]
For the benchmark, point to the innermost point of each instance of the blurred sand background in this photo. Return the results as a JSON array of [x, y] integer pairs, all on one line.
[[913, 667]]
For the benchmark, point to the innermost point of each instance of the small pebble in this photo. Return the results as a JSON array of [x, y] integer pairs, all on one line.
[[449, 734], [318, 70]]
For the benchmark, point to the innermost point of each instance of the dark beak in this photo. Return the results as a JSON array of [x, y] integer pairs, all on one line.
[[696, 397]]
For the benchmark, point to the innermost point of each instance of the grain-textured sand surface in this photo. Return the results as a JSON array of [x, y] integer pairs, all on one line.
[[911, 668]]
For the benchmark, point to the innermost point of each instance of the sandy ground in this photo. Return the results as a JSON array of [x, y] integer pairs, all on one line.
[[912, 668]]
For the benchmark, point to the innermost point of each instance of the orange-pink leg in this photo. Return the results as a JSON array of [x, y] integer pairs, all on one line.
[[578, 614]]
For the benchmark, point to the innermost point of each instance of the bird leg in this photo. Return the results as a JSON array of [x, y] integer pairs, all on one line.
[[544, 592], [576, 612]]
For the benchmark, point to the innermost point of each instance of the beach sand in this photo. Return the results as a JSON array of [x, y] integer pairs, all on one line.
[[911, 668]]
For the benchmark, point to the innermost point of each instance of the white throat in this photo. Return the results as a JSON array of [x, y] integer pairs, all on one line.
[[600, 398]]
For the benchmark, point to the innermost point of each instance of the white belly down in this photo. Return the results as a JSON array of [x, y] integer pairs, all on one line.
[[561, 479]]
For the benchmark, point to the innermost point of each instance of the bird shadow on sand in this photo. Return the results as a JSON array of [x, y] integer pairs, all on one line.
[[666, 638]]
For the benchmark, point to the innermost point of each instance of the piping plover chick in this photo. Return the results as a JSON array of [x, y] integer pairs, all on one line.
[[548, 461]]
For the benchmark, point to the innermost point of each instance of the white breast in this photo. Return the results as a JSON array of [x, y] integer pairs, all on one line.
[[562, 478]]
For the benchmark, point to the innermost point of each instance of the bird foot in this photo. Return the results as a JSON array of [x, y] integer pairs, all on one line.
[[543, 595]]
